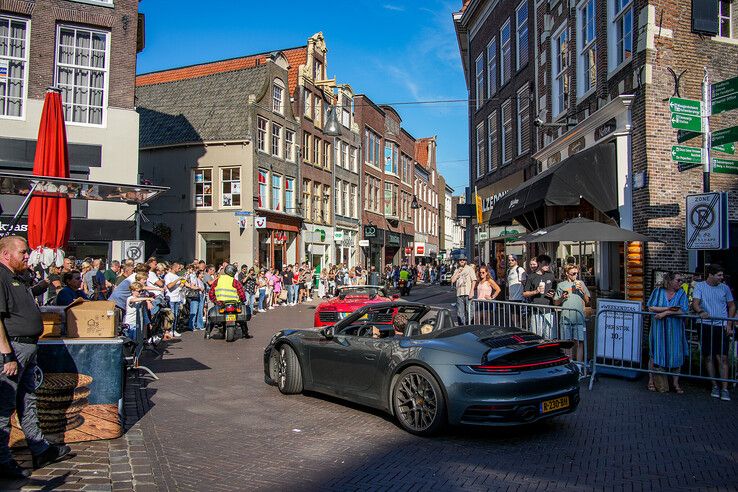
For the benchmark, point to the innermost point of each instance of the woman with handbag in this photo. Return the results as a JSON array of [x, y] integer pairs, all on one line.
[[194, 289]]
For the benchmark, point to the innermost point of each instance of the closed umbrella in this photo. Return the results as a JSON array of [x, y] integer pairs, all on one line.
[[49, 217]]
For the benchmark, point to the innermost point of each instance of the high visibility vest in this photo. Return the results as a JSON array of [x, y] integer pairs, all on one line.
[[404, 275], [225, 291]]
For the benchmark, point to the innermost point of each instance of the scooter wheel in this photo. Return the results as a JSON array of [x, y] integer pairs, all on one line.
[[230, 334]]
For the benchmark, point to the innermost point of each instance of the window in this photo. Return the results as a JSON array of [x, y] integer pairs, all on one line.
[[278, 96], [347, 105], [289, 145], [390, 157], [317, 148], [521, 28], [230, 187], [621, 41], [493, 154], [523, 120], [353, 160], [308, 105], [406, 163], [339, 205], [276, 192], [317, 70], [203, 188], [479, 97], [327, 155], [307, 200], [725, 18], [507, 145], [261, 131], [505, 54], [307, 141], [353, 199], [390, 199], [289, 195], [480, 150], [372, 154], [263, 188], [82, 73], [586, 42], [13, 57], [276, 139], [492, 67], [326, 204], [560, 69], [318, 105], [345, 158], [344, 200], [317, 209]]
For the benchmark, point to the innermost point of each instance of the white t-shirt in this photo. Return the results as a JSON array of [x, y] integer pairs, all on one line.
[[130, 312], [152, 280], [714, 300], [173, 295], [515, 282]]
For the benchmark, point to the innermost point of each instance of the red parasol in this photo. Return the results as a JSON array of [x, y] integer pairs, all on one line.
[[49, 218]]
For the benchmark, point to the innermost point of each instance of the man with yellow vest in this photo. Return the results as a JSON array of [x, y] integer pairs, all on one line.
[[227, 288]]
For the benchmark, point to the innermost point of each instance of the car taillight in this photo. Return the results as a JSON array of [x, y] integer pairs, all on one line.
[[504, 367], [221, 310]]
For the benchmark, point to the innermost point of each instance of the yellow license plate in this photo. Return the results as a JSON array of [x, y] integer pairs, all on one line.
[[230, 317], [555, 404]]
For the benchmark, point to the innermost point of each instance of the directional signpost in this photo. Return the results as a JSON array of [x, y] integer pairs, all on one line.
[[684, 135], [725, 149], [725, 136], [725, 166], [682, 153], [686, 122], [686, 166], [687, 107], [724, 95]]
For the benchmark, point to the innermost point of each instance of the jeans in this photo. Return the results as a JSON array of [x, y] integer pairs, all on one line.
[[17, 393], [262, 297], [462, 309], [196, 320], [175, 313], [250, 298], [542, 323], [292, 293]]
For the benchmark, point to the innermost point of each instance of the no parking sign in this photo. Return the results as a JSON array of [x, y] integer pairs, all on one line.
[[707, 221]]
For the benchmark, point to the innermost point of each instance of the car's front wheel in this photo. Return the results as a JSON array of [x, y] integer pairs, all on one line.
[[418, 402], [288, 372]]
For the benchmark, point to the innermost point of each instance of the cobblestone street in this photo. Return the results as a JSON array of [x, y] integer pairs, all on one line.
[[210, 423]]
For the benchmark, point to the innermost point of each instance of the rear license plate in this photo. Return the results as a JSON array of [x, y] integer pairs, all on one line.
[[230, 317], [555, 404]]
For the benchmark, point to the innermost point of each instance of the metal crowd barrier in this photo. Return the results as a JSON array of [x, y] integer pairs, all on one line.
[[631, 342], [549, 322]]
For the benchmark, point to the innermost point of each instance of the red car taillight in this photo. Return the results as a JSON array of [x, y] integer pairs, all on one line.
[[497, 368]]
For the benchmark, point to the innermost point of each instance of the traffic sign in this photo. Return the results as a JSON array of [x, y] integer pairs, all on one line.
[[728, 148], [686, 122], [684, 135], [724, 95], [686, 166], [725, 166], [705, 217], [724, 136], [682, 153], [687, 107]]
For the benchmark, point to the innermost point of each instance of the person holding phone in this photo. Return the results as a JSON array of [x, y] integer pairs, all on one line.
[[540, 289], [667, 341], [573, 296]]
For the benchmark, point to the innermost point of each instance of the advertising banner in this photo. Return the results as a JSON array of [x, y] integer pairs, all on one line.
[[619, 328]]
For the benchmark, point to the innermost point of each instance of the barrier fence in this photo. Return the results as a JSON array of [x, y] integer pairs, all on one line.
[[675, 345], [550, 322]]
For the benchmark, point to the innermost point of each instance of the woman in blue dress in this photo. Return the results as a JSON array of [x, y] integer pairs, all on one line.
[[667, 340]]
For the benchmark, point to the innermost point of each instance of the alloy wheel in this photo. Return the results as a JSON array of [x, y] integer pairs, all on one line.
[[416, 401]]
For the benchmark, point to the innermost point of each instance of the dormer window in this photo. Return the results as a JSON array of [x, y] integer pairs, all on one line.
[[317, 70], [278, 96]]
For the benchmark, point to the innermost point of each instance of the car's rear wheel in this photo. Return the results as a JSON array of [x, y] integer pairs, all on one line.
[[418, 402], [289, 374]]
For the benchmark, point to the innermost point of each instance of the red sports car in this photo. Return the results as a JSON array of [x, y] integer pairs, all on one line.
[[349, 299]]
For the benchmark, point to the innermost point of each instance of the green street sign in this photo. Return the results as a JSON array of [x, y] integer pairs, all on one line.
[[682, 153], [728, 148], [688, 107], [686, 122], [724, 95], [684, 135], [725, 166], [725, 136], [685, 166]]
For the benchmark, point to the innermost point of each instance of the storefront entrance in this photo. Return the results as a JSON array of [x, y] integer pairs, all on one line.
[[216, 246]]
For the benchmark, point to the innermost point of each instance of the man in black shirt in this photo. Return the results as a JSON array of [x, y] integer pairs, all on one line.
[[287, 277], [20, 327], [540, 288]]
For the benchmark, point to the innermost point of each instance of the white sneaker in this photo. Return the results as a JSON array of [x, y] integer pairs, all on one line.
[[176, 334], [724, 395], [154, 340], [309, 299], [262, 310], [715, 392], [271, 307]]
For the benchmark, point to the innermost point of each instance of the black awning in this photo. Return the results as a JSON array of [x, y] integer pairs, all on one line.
[[591, 174]]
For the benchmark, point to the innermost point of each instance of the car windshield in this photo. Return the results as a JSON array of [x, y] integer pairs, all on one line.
[[360, 291]]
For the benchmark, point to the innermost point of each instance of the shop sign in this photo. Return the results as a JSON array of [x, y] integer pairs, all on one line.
[[605, 129], [18, 227], [408, 250], [338, 236], [489, 202], [419, 249], [363, 243], [370, 231], [393, 239], [619, 326], [260, 222]]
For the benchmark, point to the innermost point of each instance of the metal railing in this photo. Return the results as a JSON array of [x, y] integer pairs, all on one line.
[[673, 346], [549, 322]]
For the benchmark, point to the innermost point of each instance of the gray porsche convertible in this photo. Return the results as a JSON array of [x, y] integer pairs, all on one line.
[[412, 361]]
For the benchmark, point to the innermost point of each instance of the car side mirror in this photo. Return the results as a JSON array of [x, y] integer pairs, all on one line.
[[395, 297], [327, 332]]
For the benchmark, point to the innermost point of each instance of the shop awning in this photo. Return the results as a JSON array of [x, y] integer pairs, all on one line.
[[590, 175]]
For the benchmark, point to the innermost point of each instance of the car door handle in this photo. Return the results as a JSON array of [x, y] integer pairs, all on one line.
[[370, 356]]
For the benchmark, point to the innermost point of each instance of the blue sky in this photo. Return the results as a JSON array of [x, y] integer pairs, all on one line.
[[395, 51]]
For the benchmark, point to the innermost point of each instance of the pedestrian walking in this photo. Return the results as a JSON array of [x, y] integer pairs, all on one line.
[[464, 280], [713, 299], [20, 328]]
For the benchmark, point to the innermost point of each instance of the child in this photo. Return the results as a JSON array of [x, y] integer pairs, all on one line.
[[131, 310]]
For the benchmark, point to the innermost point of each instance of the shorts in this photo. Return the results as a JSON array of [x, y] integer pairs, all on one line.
[[713, 340], [571, 330]]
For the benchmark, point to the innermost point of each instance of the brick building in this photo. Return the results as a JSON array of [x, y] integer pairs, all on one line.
[[88, 50], [387, 174], [425, 191], [603, 72], [496, 40]]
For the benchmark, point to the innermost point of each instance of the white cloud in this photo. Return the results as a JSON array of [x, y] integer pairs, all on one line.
[[396, 8]]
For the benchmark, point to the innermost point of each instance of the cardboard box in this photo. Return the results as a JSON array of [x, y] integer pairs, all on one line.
[[52, 318], [91, 319]]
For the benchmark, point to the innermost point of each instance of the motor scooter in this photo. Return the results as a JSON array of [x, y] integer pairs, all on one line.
[[227, 321], [404, 286]]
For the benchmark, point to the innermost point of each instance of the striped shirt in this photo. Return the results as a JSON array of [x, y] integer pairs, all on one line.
[[714, 300]]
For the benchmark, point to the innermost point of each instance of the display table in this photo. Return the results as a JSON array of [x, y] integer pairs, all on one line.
[[81, 392]]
